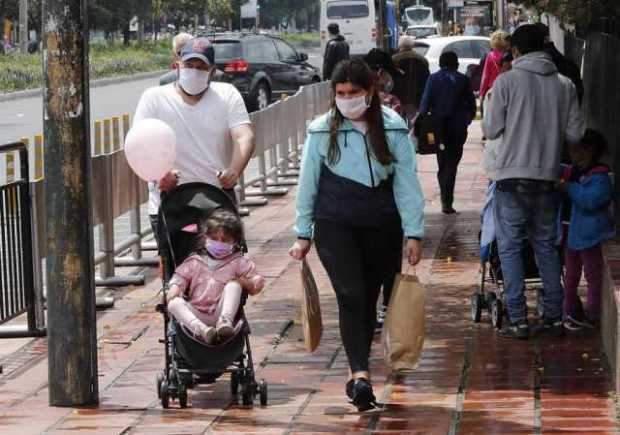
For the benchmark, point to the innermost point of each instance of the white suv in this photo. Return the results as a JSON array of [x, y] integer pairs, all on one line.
[[469, 50]]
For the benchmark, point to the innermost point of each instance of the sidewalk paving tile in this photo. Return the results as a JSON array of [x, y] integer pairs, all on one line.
[[468, 381]]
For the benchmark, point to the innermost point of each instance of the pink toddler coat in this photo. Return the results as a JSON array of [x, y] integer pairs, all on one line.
[[203, 279]]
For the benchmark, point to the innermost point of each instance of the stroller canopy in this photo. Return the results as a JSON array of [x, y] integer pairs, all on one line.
[[188, 204]]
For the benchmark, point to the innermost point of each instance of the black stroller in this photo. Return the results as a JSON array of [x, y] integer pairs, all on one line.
[[491, 274], [189, 362]]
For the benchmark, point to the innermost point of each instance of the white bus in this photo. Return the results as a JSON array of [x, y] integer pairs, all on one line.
[[357, 21], [419, 15]]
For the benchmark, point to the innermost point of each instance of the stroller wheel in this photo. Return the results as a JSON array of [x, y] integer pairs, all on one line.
[[182, 395], [540, 303], [247, 395], [497, 313], [262, 389], [158, 380], [476, 307], [234, 384], [164, 392]]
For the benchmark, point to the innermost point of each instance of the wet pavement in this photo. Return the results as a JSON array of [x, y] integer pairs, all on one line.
[[468, 381]]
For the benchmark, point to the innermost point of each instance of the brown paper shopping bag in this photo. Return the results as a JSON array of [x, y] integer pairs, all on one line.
[[310, 309], [405, 327]]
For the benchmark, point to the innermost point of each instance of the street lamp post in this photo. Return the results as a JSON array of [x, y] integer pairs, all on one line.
[[72, 339]]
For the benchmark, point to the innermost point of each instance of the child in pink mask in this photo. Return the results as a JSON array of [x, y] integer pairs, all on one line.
[[205, 291]]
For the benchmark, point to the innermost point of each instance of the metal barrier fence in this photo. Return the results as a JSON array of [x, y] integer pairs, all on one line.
[[17, 286], [280, 131]]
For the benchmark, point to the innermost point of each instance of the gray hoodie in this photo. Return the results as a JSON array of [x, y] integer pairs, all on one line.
[[537, 112]]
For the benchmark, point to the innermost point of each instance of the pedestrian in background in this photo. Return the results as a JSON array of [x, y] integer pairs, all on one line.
[[449, 98], [536, 110], [358, 193], [500, 44], [587, 223], [380, 63], [177, 44], [565, 66], [336, 50], [409, 86]]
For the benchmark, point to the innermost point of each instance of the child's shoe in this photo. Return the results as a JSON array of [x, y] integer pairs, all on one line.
[[225, 328], [582, 321], [571, 325], [208, 334]]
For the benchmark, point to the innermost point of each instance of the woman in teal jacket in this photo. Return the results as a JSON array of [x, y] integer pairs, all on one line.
[[358, 196]]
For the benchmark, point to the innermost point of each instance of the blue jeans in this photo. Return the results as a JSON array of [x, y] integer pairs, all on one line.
[[528, 210]]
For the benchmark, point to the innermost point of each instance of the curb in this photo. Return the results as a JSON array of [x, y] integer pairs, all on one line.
[[93, 84]]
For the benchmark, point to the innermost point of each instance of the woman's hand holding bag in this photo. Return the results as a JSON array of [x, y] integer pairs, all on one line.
[[300, 249]]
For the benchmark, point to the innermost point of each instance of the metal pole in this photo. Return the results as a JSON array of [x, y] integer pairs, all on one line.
[[23, 25], [72, 343]]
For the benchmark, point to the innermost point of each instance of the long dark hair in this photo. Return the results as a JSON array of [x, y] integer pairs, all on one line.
[[356, 71]]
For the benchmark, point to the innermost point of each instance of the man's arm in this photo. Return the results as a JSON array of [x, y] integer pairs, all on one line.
[[425, 104], [576, 123], [243, 149], [494, 121], [328, 61]]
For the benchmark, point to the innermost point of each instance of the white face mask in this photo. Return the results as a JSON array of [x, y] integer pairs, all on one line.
[[194, 81], [353, 108]]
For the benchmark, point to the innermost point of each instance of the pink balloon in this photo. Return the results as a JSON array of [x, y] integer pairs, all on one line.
[[150, 149]]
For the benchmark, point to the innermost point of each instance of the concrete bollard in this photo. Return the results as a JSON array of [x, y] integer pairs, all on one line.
[[107, 136], [38, 157], [116, 133]]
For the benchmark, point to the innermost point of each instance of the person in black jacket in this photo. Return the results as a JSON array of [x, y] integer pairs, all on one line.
[[336, 50], [565, 66]]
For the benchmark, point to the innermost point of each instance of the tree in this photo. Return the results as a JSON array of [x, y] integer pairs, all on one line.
[[579, 12], [220, 10]]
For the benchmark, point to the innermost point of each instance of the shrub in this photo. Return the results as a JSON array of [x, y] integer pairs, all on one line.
[[25, 71]]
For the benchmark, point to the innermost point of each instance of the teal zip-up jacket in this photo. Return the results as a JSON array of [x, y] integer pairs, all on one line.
[[355, 149]]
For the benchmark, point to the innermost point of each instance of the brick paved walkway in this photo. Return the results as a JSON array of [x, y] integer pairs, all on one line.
[[468, 381]]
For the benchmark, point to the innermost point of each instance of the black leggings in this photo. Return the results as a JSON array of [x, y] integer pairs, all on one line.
[[357, 261]]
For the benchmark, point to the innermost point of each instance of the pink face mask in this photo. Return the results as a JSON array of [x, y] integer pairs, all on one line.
[[219, 249]]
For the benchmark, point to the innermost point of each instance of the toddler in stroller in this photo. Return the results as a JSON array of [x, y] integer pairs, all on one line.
[[213, 279], [206, 283]]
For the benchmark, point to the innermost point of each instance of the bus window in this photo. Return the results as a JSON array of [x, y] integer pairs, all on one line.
[[340, 10]]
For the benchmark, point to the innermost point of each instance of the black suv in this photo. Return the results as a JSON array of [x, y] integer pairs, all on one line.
[[261, 67]]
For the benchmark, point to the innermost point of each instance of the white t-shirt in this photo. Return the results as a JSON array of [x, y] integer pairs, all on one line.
[[204, 143]]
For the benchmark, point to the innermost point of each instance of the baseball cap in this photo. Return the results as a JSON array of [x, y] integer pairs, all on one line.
[[198, 48]]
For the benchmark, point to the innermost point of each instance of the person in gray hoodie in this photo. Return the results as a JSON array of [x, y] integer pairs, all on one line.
[[537, 111]]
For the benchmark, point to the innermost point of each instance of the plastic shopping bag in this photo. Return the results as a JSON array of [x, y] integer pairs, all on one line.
[[405, 326], [310, 309]]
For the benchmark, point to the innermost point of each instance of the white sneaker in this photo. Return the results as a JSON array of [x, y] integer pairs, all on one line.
[[225, 328], [381, 313]]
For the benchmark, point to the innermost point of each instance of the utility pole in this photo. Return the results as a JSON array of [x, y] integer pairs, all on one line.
[[72, 338], [23, 25]]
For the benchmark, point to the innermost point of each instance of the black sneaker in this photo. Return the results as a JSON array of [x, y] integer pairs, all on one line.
[[582, 321], [553, 327], [571, 325], [362, 395], [349, 388], [448, 210], [519, 331]]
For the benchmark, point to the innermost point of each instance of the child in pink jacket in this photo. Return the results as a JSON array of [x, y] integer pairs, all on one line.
[[500, 43], [205, 291]]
